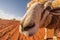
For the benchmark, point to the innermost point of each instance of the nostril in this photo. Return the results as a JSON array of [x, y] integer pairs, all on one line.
[[22, 27], [29, 27]]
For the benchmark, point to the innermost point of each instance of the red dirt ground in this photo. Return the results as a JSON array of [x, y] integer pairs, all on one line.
[[9, 30]]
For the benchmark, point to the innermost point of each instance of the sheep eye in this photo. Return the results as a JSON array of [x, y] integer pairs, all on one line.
[[29, 26]]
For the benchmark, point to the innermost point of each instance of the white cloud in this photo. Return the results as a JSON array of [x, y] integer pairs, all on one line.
[[4, 15]]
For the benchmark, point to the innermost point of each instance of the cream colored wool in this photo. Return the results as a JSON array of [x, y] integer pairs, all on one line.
[[35, 1], [56, 3]]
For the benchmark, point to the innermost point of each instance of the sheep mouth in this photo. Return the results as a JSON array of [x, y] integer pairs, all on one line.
[[26, 33]]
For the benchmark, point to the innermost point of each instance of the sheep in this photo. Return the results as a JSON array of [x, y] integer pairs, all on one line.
[[40, 15]]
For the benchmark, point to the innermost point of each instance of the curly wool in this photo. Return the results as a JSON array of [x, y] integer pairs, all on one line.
[[56, 3], [35, 1]]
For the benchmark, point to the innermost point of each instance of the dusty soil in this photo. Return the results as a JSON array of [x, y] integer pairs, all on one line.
[[9, 30]]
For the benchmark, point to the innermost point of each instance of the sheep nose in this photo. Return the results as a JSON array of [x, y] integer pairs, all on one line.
[[28, 27]]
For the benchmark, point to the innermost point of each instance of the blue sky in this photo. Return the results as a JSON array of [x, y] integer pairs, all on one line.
[[12, 8]]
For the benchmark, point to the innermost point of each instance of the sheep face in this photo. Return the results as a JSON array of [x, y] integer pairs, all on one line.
[[30, 21]]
